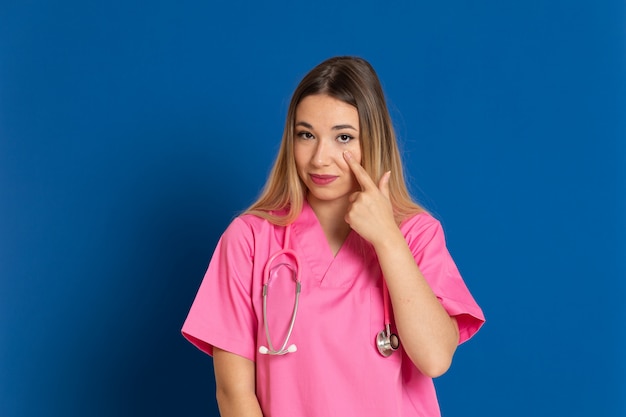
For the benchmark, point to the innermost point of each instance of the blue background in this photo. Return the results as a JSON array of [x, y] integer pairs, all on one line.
[[132, 132]]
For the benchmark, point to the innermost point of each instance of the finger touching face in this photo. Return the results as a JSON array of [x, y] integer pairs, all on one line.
[[359, 172]]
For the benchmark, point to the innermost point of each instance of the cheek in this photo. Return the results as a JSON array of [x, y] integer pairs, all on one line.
[[355, 150], [356, 154], [298, 157]]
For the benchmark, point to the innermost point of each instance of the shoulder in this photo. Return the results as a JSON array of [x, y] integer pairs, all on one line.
[[247, 228], [247, 224], [422, 229], [248, 220], [419, 223]]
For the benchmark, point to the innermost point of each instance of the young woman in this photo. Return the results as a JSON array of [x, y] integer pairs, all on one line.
[[333, 294]]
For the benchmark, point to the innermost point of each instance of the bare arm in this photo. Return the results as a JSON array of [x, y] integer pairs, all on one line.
[[429, 335], [235, 383]]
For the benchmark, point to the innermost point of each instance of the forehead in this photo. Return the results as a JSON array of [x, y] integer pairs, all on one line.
[[324, 109]]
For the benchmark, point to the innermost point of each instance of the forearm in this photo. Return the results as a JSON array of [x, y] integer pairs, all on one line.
[[428, 334]]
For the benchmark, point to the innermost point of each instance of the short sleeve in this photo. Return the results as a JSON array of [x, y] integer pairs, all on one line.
[[426, 240], [222, 314]]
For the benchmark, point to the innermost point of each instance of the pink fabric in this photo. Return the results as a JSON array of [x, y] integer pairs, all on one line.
[[337, 369]]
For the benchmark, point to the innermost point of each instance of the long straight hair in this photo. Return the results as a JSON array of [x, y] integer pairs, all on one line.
[[353, 81]]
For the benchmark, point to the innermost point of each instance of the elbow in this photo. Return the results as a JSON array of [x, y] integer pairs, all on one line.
[[433, 365], [437, 360], [435, 369], [223, 396], [434, 358], [229, 396]]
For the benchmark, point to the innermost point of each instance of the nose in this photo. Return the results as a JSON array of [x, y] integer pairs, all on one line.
[[321, 156]]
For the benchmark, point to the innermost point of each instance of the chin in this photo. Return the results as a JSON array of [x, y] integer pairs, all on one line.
[[327, 197]]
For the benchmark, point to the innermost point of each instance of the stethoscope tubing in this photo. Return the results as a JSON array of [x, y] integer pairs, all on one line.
[[266, 277], [386, 342]]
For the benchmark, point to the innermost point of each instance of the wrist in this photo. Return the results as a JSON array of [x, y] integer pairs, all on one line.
[[390, 240]]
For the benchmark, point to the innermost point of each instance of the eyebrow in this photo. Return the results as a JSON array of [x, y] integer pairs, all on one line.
[[337, 127]]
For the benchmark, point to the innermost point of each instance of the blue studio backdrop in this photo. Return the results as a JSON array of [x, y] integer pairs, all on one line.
[[132, 132]]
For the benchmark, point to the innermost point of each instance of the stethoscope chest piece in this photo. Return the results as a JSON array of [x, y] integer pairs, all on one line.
[[387, 342]]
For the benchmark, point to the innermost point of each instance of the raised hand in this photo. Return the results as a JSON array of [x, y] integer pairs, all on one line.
[[431, 339], [370, 213]]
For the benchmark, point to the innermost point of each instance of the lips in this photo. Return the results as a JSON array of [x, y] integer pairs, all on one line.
[[322, 179]]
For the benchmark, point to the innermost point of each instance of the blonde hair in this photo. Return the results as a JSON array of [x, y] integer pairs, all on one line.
[[353, 81]]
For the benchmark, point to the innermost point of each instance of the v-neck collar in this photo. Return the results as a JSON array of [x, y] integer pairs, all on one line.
[[320, 264]]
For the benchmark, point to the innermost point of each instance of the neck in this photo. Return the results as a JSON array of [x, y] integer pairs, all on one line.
[[331, 217]]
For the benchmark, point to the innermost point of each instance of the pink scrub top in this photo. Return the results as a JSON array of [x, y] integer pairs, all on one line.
[[337, 369]]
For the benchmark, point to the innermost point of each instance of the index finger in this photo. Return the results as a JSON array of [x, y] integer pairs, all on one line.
[[361, 175]]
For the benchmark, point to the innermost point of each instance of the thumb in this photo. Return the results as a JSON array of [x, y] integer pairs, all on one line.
[[383, 184]]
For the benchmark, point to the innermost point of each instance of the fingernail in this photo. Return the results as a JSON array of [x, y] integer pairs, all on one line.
[[347, 154]]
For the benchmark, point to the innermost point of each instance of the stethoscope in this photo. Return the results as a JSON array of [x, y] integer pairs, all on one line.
[[386, 341], [268, 273]]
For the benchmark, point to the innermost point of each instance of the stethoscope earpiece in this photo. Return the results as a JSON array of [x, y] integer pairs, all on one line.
[[264, 350], [283, 349]]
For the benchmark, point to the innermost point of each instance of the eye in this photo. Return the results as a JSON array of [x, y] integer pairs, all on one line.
[[344, 138], [305, 135]]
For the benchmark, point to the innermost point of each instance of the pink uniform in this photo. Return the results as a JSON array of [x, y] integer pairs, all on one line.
[[337, 369]]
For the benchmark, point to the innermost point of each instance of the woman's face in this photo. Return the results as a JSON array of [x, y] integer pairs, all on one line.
[[324, 129]]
